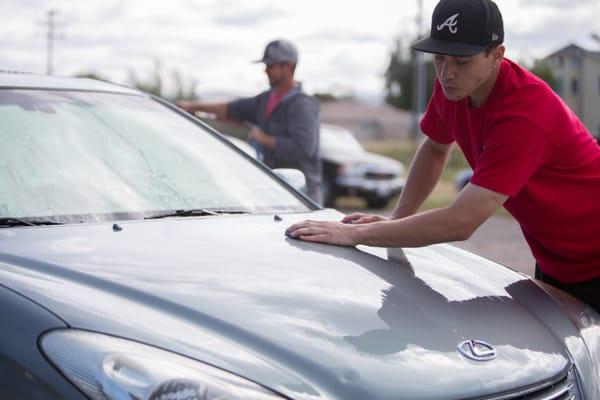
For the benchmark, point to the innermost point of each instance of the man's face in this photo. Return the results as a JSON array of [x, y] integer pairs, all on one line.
[[462, 77], [276, 73]]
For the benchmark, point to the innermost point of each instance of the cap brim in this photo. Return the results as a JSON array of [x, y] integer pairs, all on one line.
[[269, 62], [437, 46]]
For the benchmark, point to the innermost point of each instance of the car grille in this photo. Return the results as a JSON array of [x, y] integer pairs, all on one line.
[[565, 388], [379, 175]]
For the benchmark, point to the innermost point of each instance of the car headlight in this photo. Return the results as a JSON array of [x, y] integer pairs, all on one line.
[[588, 323], [585, 348], [355, 169], [106, 368]]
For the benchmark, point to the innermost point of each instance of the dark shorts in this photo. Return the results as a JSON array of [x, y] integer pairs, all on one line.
[[587, 291]]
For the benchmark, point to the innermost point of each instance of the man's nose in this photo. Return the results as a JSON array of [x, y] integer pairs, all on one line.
[[446, 71]]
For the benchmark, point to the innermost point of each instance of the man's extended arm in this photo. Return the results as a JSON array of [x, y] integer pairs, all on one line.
[[458, 221], [424, 173], [219, 109]]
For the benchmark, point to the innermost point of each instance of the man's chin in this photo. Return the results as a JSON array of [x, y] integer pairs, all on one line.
[[453, 95]]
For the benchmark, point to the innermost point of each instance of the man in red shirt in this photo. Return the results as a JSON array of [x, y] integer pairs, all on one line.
[[528, 151]]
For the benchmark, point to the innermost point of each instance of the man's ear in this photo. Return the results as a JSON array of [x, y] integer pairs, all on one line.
[[292, 67], [498, 54]]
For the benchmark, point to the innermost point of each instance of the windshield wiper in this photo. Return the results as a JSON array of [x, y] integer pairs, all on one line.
[[11, 221], [196, 212]]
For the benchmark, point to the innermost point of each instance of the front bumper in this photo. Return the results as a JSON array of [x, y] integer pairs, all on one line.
[[353, 185]]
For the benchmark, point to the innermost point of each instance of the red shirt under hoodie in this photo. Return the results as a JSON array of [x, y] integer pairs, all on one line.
[[526, 143]]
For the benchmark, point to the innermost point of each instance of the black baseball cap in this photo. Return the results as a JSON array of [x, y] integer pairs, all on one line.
[[463, 28]]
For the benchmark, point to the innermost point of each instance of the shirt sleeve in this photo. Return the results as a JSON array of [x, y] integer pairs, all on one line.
[[514, 150], [431, 124], [302, 127], [245, 109]]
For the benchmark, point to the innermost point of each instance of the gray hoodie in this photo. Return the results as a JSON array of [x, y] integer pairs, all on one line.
[[295, 124]]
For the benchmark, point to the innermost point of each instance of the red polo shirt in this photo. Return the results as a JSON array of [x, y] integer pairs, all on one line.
[[524, 142]]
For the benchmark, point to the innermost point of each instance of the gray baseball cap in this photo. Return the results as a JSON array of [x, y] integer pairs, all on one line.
[[279, 51]]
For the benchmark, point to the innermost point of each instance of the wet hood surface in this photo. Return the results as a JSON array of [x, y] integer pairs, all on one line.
[[309, 320]]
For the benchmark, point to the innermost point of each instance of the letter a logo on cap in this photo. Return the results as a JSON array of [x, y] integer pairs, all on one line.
[[450, 23]]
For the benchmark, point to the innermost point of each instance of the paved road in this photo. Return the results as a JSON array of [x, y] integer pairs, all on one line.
[[499, 239]]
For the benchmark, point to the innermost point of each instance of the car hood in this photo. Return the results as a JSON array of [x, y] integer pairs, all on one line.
[[374, 161], [309, 320]]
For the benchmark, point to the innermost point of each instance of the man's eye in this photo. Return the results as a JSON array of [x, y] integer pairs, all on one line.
[[462, 62]]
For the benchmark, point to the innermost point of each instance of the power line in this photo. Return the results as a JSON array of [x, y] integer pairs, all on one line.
[[50, 41], [50, 25], [418, 77]]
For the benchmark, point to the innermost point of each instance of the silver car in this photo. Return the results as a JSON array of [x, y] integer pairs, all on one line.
[[142, 256], [350, 170]]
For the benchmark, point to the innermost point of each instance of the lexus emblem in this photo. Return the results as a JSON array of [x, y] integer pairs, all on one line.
[[477, 350]]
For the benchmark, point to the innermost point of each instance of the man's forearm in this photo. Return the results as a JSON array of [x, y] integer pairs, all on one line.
[[429, 227], [424, 173], [219, 109], [455, 222]]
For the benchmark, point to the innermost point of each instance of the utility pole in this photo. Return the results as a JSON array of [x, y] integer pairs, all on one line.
[[418, 77], [50, 36]]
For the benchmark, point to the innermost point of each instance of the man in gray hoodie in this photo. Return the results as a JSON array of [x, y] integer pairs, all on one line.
[[285, 119]]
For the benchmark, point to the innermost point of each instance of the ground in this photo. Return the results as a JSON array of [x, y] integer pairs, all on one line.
[[500, 239]]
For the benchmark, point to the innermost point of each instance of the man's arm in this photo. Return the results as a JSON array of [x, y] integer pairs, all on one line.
[[219, 109], [456, 222], [424, 173], [261, 137]]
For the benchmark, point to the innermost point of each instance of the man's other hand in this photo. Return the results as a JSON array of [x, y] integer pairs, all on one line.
[[360, 218], [261, 137], [186, 105]]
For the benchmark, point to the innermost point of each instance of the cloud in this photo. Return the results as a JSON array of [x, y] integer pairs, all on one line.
[[561, 4], [342, 44], [331, 35], [238, 15], [550, 28]]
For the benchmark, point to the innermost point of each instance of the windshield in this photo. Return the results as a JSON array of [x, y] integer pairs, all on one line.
[[99, 154], [334, 139]]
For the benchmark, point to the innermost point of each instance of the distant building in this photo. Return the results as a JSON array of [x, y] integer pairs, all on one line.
[[577, 75], [367, 121]]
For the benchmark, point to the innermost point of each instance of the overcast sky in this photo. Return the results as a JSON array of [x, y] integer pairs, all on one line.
[[344, 44]]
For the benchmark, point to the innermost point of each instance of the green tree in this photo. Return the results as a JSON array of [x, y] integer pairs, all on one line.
[[543, 71], [177, 90], [154, 85], [399, 77], [183, 91], [324, 97], [91, 75]]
